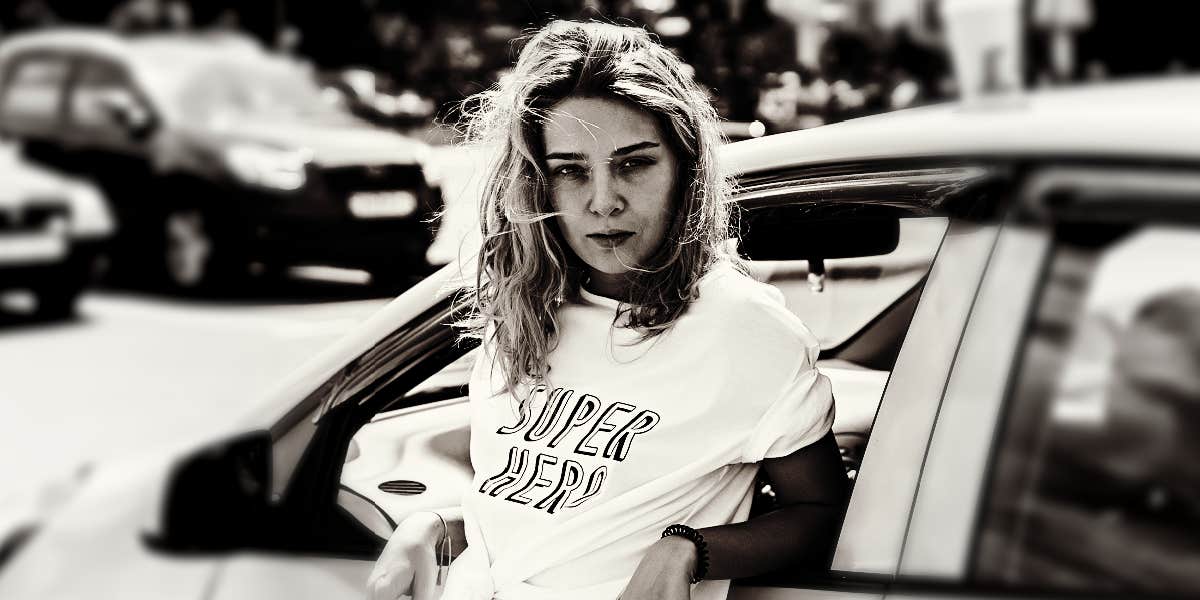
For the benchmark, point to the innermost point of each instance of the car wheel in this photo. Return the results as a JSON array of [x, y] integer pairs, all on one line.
[[57, 300], [195, 257]]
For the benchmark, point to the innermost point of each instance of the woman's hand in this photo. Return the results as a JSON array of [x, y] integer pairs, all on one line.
[[665, 572], [408, 564]]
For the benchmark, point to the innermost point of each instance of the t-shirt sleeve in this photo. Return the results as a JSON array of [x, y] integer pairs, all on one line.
[[799, 406]]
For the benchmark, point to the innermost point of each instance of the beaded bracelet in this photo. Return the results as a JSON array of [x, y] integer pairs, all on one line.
[[701, 548]]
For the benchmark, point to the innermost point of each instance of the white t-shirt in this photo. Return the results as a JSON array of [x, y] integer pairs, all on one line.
[[576, 477]]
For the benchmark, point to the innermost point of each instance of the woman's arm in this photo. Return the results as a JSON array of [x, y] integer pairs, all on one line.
[[810, 485]]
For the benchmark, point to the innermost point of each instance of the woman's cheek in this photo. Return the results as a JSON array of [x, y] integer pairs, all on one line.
[[565, 197], [644, 175]]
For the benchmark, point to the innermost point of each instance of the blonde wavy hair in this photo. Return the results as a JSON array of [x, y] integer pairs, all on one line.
[[526, 270]]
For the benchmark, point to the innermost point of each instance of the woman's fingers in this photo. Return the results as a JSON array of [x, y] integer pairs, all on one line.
[[424, 585], [392, 576], [389, 585], [409, 551]]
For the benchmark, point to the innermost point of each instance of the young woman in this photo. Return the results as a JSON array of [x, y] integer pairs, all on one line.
[[632, 378]]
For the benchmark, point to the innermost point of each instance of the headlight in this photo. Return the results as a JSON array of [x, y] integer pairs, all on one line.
[[90, 215], [268, 167]]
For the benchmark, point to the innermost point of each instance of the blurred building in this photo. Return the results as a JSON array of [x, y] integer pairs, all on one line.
[[789, 63]]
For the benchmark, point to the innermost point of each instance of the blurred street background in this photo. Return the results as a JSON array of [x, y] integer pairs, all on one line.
[[198, 195]]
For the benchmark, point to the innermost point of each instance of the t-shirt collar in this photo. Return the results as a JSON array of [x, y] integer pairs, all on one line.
[[597, 299]]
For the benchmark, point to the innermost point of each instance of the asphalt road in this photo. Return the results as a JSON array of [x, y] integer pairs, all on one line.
[[139, 370]]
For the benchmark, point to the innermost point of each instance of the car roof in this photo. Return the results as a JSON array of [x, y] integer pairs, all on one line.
[[154, 47], [160, 59], [163, 62], [1151, 119]]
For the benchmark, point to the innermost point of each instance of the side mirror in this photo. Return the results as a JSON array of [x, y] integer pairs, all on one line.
[[217, 498], [126, 111]]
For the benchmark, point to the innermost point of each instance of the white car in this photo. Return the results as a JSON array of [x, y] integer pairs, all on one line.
[[52, 229], [1005, 297]]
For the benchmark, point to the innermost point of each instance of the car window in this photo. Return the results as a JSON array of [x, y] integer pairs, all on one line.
[[1095, 487], [856, 290], [100, 89], [274, 88], [33, 94], [860, 312]]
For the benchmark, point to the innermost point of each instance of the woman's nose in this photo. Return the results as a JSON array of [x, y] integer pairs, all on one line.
[[606, 199]]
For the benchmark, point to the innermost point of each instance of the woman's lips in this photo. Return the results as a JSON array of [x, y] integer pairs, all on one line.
[[610, 240]]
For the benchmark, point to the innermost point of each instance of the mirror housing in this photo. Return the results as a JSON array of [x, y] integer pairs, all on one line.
[[217, 497], [127, 112]]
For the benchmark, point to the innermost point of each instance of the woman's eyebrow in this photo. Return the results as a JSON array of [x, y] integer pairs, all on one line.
[[618, 152], [565, 156], [634, 148]]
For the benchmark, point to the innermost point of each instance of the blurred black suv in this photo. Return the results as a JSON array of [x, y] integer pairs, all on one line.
[[217, 155]]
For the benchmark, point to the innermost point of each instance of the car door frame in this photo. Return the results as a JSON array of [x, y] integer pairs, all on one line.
[[939, 535], [867, 554], [942, 538]]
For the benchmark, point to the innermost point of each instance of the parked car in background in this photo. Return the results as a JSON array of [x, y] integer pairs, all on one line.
[[53, 229], [1006, 300], [217, 154]]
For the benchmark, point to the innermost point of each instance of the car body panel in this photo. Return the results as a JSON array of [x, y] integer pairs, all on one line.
[[876, 517], [333, 142], [1124, 120], [93, 547], [768, 593], [53, 229], [939, 537], [949, 595], [23, 181], [255, 576]]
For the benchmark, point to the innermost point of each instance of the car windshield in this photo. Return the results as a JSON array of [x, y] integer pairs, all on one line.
[[255, 87]]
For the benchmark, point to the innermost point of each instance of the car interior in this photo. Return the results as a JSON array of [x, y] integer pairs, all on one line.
[[414, 453], [387, 434]]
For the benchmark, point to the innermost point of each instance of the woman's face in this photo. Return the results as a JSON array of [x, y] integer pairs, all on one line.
[[612, 179]]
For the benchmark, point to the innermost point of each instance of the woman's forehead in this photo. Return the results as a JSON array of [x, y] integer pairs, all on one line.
[[597, 127]]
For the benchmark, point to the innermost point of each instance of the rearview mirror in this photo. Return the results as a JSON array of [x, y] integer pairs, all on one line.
[[783, 234]]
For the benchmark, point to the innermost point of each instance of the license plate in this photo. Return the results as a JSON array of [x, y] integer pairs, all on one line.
[[379, 205], [31, 248]]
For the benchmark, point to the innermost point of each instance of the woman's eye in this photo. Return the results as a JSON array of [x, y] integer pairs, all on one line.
[[636, 163], [567, 171]]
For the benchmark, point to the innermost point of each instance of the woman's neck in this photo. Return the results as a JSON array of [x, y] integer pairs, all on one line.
[[616, 287]]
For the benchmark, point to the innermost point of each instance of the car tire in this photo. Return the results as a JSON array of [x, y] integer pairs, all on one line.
[[195, 255], [57, 300]]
